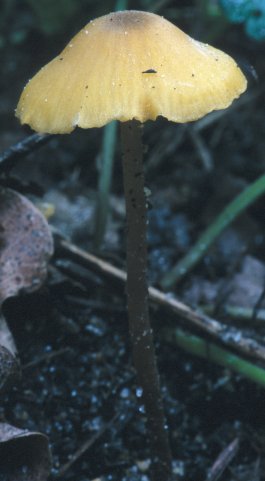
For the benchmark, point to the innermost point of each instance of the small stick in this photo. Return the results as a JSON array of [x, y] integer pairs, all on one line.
[[22, 149], [245, 315], [85, 446], [202, 149], [46, 357], [213, 117], [223, 460], [230, 337]]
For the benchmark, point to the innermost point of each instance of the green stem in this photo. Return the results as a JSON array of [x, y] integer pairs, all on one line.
[[105, 176], [238, 312], [207, 350], [121, 5], [137, 297], [229, 214]]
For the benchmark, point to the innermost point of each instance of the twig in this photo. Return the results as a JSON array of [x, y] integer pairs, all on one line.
[[46, 357], [169, 142], [213, 117], [242, 314], [85, 446], [202, 149], [229, 336], [21, 149], [223, 460]]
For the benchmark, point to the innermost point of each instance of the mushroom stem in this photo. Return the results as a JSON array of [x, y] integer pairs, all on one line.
[[137, 298]]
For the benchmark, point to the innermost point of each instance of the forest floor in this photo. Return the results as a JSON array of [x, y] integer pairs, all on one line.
[[77, 384]]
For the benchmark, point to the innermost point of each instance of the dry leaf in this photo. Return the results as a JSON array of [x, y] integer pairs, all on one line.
[[25, 245], [24, 455], [25, 248]]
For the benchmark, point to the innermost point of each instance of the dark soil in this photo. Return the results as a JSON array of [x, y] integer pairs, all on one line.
[[77, 381]]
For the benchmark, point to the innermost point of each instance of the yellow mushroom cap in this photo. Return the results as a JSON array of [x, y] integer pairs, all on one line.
[[129, 65]]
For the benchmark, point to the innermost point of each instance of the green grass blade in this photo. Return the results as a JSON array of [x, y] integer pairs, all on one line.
[[121, 5], [105, 176], [229, 214], [104, 183], [207, 350]]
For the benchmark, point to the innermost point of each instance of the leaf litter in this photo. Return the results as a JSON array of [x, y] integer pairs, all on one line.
[[26, 246]]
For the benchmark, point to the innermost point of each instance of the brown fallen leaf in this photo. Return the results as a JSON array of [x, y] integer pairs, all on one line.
[[25, 248], [25, 245], [24, 455]]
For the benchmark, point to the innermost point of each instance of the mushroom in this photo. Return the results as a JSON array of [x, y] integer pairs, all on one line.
[[132, 66]]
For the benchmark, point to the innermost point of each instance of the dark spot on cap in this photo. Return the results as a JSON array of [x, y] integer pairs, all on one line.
[[150, 70], [86, 86], [61, 58], [192, 75]]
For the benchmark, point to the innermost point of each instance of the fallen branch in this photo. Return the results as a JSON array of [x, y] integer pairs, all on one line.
[[22, 149], [223, 460], [228, 336], [86, 446]]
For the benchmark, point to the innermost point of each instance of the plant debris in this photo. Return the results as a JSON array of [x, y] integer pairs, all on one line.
[[24, 455], [25, 245]]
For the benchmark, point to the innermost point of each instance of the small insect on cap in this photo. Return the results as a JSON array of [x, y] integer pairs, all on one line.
[[129, 65]]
